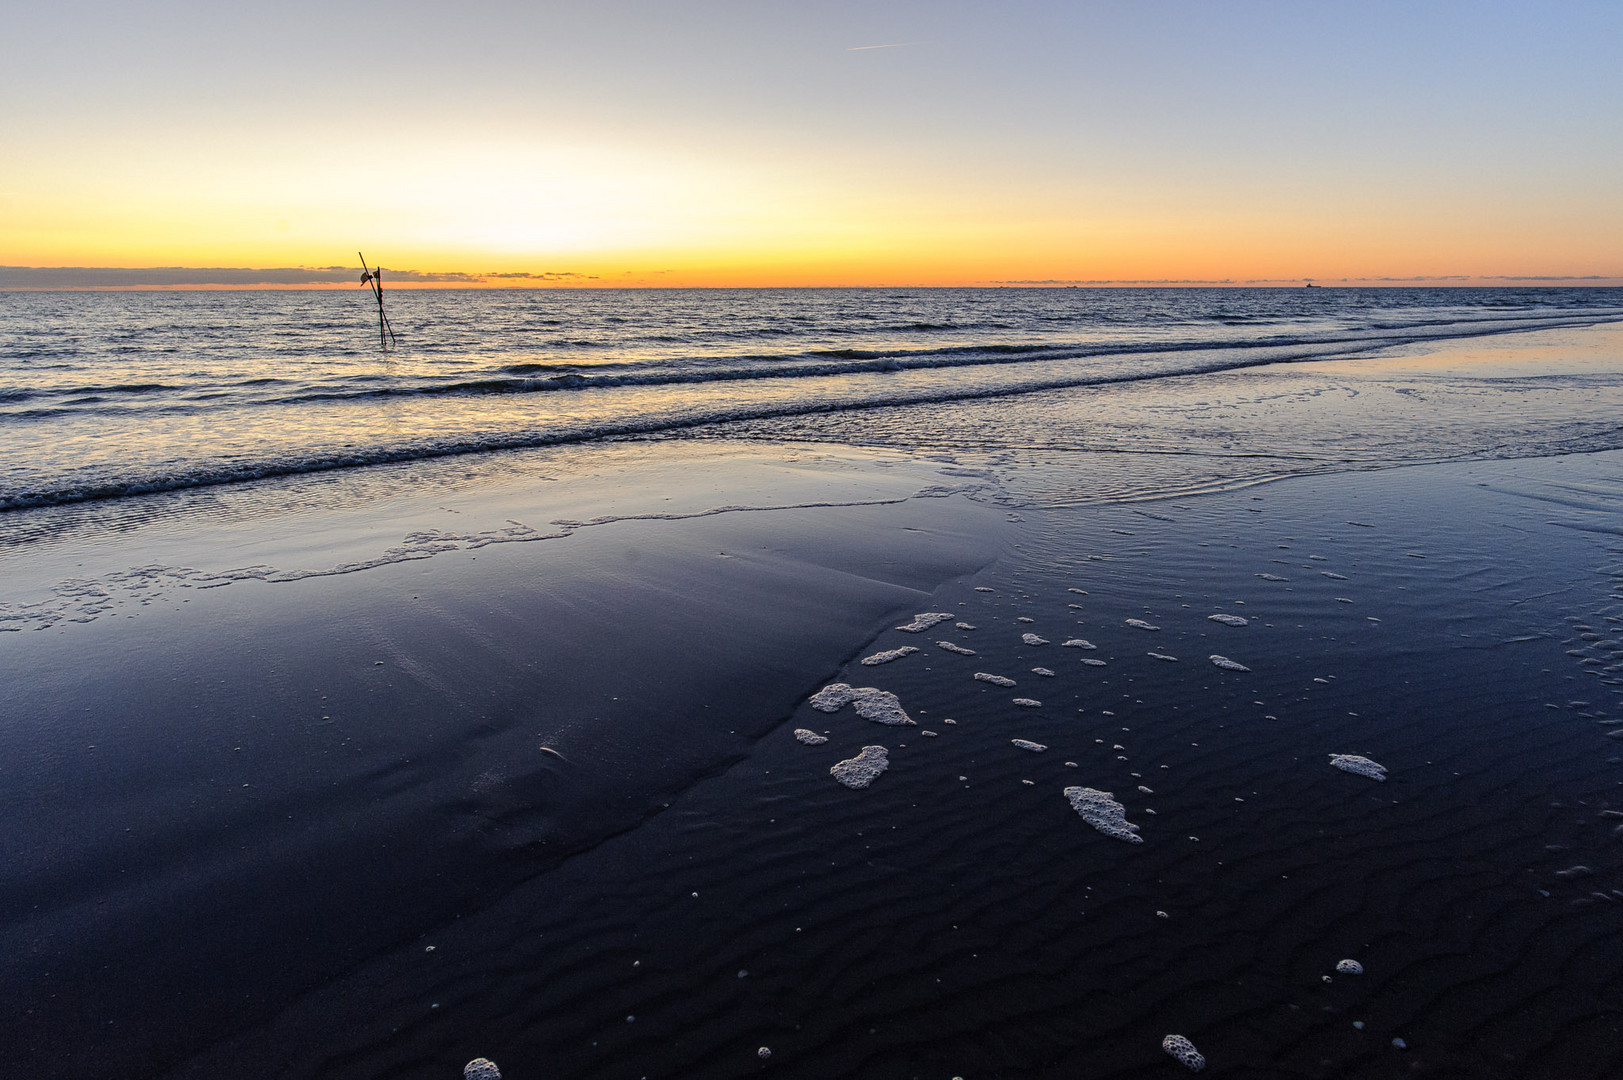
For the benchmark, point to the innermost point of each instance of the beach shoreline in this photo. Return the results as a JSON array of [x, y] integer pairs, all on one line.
[[267, 745]]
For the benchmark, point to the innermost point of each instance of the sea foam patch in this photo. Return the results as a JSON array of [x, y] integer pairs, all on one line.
[[1226, 664], [1028, 703], [880, 706], [1033, 639], [1027, 744], [862, 770], [1184, 1050], [1229, 620], [1043, 672], [995, 680], [1101, 810], [954, 647], [1358, 765], [1078, 643], [924, 620], [1142, 625], [809, 737], [887, 656]]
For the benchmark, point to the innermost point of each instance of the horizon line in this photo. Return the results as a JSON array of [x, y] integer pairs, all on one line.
[[182, 278]]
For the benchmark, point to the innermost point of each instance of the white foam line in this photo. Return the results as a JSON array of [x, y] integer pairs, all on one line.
[[1358, 765], [887, 656], [995, 680], [1142, 625], [924, 620], [1226, 664], [862, 770], [880, 706], [1101, 810], [1184, 1050], [1027, 744], [1229, 620], [952, 647]]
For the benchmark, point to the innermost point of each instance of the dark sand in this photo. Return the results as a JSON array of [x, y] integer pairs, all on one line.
[[541, 801]]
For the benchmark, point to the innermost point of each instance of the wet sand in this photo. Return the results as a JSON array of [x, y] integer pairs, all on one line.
[[474, 761]]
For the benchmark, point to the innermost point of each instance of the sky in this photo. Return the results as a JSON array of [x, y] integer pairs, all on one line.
[[775, 143]]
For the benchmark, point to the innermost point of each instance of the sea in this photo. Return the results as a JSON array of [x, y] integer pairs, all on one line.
[[110, 394]]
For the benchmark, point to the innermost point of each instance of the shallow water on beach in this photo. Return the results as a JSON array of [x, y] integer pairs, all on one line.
[[372, 771], [103, 394]]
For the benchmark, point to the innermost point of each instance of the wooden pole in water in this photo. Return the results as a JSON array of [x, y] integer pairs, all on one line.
[[374, 278]]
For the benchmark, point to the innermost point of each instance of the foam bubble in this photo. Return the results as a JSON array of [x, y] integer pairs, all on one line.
[[1043, 672], [1229, 620], [764, 1052], [1093, 663], [1079, 592], [951, 647], [481, 1069], [862, 770], [1184, 1050], [964, 626], [1272, 577], [1033, 639], [983, 588], [1078, 643], [1141, 624], [1024, 618], [1028, 703], [1333, 576], [887, 656], [1226, 664], [1027, 744], [1163, 656], [995, 680], [1350, 967], [1103, 812], [1361, 766], [924, 620], [1343, 599], [809, 737], [880, 706]]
